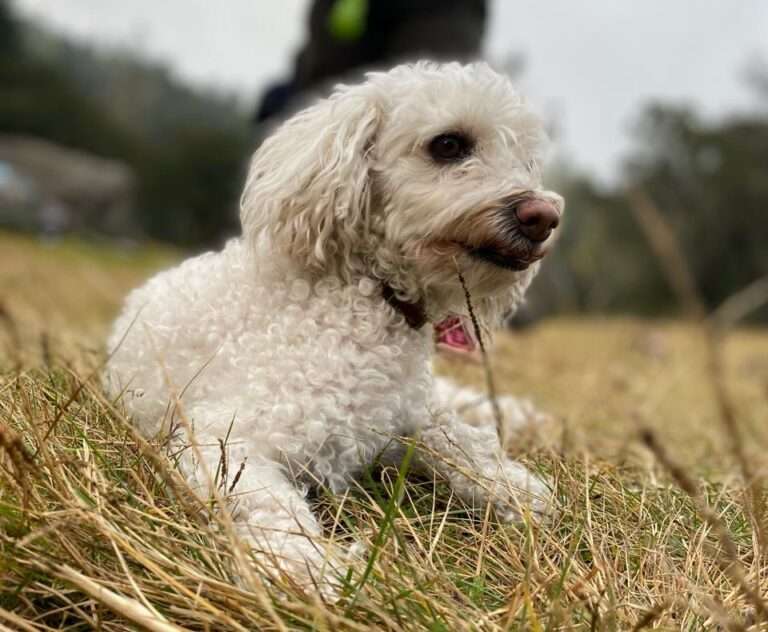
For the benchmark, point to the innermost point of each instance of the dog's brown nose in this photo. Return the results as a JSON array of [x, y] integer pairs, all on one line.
[[538, 218]]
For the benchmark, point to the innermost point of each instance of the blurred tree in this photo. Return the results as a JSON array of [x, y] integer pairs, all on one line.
[[9, 35], [602, 262], [39, 100], [710, 180], [192, 188]]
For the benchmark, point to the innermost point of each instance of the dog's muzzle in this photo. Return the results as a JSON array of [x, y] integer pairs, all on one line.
[[526, 224]]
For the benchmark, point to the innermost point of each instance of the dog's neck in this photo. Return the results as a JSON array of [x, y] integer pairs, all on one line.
[[415, 314]]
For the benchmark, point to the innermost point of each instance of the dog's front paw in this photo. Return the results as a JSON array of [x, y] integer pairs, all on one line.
[[518, 493], [297, 561], [322, 569]]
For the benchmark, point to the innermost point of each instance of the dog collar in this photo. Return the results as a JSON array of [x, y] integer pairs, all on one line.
[[451, 334], [414, 313]]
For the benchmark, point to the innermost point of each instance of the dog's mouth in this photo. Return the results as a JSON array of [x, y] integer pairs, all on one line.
[[505, 260], [516, 256], [517, 259]]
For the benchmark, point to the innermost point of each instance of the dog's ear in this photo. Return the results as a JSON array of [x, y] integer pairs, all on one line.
[[308, 188]]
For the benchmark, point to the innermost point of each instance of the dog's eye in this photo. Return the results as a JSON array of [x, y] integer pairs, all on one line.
[[450, 147]]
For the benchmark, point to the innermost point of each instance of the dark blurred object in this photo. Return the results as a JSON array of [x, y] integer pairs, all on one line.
[[275, 100], [347, 36]]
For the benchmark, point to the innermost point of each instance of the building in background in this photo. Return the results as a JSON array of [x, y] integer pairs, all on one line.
[[51, 189]]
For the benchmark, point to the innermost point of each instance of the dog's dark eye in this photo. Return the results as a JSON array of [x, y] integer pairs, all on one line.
[[450, 147]]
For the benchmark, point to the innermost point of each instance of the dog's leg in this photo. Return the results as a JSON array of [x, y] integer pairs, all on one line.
[[273, 515], [269, 512], [470, 458], [475, 408]]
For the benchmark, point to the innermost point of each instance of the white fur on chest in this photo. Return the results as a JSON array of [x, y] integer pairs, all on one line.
[[316, 374]]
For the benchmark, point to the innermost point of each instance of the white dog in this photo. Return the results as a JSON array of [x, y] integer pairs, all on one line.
[[306, 344]]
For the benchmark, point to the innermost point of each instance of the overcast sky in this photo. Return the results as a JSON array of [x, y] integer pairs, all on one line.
[[592, 64]]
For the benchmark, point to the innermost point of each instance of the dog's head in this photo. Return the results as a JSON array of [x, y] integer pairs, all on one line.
[[409, 177]]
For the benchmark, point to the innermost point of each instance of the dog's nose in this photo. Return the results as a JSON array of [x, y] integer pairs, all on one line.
[[538, 218]]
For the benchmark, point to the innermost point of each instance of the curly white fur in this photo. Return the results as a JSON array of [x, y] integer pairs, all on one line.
[[283, 342]]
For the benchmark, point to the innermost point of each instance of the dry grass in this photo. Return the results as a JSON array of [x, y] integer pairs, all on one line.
[[92, 534]]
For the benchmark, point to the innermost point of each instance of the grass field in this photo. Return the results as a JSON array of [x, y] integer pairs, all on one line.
[[648, 451]]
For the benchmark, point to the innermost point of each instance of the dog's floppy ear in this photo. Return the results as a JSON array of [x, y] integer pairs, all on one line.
[[308, 187]]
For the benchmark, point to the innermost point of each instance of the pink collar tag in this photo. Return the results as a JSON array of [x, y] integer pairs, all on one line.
[[454, 334]]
